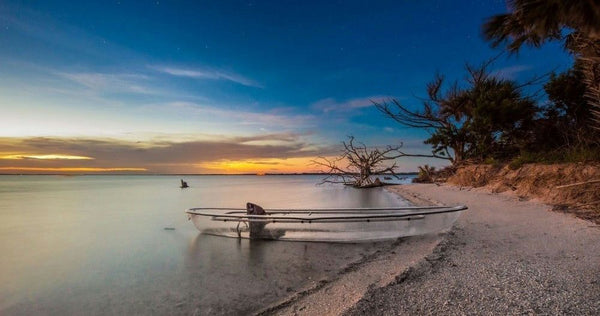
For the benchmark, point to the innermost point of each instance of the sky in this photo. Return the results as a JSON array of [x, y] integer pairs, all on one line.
[[228, 86]]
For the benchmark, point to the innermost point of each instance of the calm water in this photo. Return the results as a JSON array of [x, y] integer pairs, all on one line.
[[98, 244]]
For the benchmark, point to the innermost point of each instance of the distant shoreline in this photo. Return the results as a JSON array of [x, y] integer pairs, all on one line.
[[182, 174]]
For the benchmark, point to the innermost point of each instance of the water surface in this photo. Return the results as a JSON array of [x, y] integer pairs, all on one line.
[[98, 244]]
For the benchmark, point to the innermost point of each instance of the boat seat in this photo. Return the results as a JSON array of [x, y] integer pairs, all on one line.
[[253, 209]]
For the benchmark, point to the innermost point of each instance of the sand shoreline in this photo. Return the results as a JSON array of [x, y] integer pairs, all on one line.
[[503, 256], [333, 297], [383, 268]]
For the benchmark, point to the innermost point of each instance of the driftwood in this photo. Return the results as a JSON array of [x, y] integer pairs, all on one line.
[[577, 184], [359, 164], [183, 184]]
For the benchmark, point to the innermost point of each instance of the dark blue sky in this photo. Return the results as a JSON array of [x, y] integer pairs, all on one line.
[[178, 70]]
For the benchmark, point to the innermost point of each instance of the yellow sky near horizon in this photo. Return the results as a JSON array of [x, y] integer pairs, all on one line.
[[262, 166], [258, 154], [21, 170], [68, 164], [251, 154], [292, 165]]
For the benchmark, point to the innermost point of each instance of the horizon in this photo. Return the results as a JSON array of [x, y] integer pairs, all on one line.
[[228, 88], [190, 174]]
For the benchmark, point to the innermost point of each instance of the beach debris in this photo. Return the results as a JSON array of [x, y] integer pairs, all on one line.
[[184, 184], [577, 184], [363, 164]]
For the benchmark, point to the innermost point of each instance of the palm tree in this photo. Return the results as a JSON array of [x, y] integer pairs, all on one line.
[[575, 22]]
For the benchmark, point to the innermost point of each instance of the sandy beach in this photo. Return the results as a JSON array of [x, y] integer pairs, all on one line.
[[504, 256]]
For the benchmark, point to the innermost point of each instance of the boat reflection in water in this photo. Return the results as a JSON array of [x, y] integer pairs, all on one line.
[[327, 225], [243, 276]]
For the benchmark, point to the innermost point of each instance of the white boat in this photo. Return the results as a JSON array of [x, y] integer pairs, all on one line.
[[324, 224]]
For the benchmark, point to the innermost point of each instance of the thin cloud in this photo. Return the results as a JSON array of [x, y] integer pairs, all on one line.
[[511, 72], [163, 156], [54, 32], [110, 82], [271, 119], [282, 137], [207, 74], [69, 169], [45, 157], [332, 105]]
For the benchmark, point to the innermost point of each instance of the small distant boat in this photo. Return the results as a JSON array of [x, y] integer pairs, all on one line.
[[387, 178], [183, 184], [324, 224]]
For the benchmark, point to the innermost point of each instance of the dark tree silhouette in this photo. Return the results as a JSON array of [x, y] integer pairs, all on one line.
[[576, 23], [358, 164], [565, 122], [486, 117]]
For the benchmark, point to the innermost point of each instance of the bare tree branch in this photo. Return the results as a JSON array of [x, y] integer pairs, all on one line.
[[358, 163]]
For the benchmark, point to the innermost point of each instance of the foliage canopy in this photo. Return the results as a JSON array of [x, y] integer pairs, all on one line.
[[488, 118]]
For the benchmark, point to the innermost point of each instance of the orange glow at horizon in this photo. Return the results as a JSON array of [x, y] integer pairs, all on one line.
[[70, 169], [262, 166]]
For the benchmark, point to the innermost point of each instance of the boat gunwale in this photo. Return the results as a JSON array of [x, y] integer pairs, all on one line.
[[339, 210], [365, 217]]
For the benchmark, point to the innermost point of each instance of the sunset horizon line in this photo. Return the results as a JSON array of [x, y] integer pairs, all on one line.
[[186, 174]]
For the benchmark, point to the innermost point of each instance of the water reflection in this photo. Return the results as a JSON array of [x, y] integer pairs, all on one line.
[[98, 244], [254, 273]]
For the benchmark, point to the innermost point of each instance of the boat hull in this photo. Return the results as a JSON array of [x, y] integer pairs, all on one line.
[[325, 225]]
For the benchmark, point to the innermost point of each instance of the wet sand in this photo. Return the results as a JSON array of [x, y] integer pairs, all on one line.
[[334, 296], [504, 256]]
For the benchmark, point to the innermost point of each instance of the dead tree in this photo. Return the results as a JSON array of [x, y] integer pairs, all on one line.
[[358, 164]]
